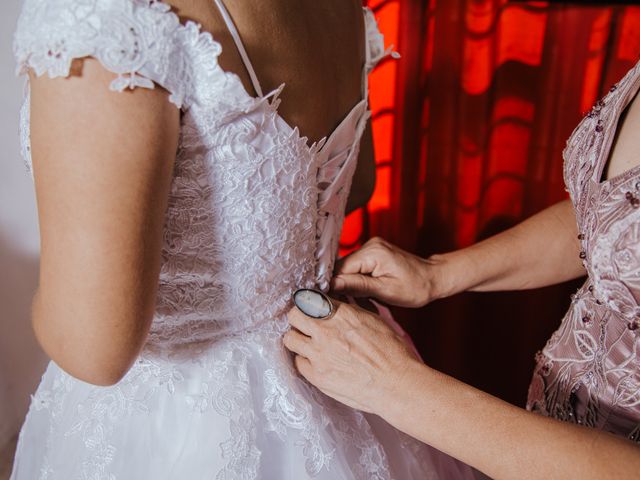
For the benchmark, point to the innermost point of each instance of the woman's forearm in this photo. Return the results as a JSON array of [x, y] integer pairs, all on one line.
[[543, 250], [499, 439]]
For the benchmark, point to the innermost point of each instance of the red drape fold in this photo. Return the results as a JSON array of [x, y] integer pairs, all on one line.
[[469, 128]]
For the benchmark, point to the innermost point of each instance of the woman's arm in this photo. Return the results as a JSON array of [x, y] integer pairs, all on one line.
[[357, 359], [499, 439], [102, 164], [542, 250]]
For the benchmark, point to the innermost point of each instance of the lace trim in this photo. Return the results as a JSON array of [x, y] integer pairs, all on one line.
[[334, 183], [375, 42], [124, 36], [25, 140], [285, 410]]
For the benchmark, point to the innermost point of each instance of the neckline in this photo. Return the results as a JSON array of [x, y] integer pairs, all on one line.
[[205, 38], [316, 146], [602, 163]]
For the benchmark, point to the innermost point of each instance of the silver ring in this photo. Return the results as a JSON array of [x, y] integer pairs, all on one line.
[[313, 303]]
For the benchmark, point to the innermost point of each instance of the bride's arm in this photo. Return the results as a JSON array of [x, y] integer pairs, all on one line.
[[102, 165], [357, 359]]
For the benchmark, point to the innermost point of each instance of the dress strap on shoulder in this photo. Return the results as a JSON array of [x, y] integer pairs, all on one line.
[[374, 46], [238, 41]]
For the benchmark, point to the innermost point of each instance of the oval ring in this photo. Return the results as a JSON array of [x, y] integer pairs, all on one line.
[[313, 303]]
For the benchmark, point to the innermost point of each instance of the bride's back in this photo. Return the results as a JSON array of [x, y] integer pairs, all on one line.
[[315, 47], [173, 238], [237, 208]]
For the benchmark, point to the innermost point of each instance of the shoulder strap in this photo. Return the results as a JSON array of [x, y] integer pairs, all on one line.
[[243, 53], [374, 44]]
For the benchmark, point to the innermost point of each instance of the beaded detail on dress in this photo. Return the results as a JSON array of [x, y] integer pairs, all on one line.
[[588, 371], [254, 213]]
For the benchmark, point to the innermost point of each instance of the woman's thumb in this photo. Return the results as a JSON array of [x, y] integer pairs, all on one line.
[[356, 284]]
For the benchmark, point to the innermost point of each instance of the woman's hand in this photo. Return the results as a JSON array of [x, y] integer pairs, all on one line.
[[543, 250], [358, 360], [353, 356], [385, 272]]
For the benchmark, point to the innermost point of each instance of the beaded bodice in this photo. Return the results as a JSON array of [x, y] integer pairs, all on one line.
[[589, 371]]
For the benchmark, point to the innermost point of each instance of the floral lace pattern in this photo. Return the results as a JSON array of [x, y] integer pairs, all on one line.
[[588, 371], [253, 214]]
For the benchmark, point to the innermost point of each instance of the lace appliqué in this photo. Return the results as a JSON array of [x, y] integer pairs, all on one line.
[[286, 410], [139, 40], [253, 213], [375, 42]]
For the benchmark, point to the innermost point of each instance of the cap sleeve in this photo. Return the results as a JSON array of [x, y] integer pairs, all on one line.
[[141, 41]]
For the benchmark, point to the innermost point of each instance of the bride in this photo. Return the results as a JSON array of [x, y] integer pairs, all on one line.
[[192, 165]]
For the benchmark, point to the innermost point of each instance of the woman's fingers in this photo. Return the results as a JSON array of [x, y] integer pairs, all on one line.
[[385, 272], [358, 285], [366, 271], [303, 365], [301, 322], [364, 260], [354, 357], [297, 343]]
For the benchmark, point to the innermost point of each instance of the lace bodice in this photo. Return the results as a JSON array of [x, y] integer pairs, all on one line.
[[589, 370], [254, 212]]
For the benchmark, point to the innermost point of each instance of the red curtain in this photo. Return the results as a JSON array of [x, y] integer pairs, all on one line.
[[469, 129]]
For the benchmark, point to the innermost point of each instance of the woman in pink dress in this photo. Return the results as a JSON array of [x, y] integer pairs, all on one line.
[[588, 374]]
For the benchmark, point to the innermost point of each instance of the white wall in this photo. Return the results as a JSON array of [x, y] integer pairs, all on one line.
[[21, 360]]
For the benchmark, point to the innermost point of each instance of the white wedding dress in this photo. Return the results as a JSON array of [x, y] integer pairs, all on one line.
[[254, 213]]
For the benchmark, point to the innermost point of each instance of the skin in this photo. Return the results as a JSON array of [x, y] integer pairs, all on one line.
[[357, 359], [543, 250], [102, 191], [101, 195]]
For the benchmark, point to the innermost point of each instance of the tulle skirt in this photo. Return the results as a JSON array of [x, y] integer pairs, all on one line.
[[235, 409]]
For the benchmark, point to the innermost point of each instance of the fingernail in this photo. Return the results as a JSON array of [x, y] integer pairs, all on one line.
[[338, 283]]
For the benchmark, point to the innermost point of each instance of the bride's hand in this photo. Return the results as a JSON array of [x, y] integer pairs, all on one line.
[[353, 356], [385, 272]]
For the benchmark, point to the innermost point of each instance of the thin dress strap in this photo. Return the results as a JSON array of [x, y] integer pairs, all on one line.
[[364, 82], [243, 53]]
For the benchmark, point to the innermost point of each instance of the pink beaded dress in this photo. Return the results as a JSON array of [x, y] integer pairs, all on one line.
[[589, 371]]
